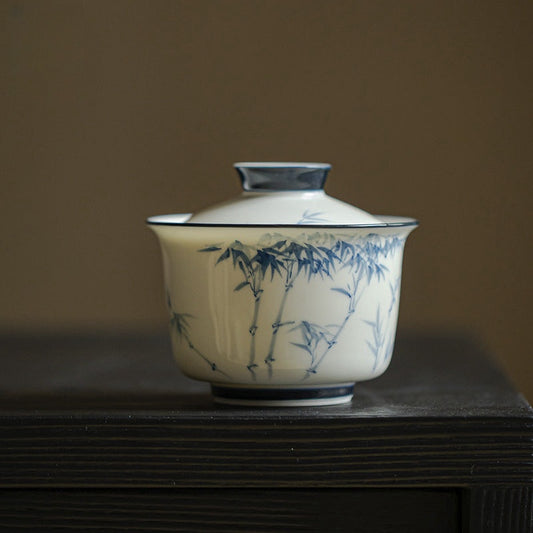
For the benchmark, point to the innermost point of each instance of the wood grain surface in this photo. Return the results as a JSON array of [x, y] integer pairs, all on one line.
[[113, 411], [499, 510], [376, 511]]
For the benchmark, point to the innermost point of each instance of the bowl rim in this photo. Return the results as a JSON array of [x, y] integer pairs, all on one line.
[[181, 220]]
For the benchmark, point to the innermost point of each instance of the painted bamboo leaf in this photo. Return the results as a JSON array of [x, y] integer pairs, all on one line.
[[312, 255], [309, 217], [241, 286], [305, 347], [223, 256], [180, 322], [342, 291]]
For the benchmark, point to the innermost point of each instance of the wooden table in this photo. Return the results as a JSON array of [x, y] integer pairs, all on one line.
[[103, 432]]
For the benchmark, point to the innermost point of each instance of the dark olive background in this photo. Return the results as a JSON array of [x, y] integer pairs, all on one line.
[[115, 110]]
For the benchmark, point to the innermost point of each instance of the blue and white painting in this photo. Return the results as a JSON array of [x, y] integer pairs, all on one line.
[[274, 277]]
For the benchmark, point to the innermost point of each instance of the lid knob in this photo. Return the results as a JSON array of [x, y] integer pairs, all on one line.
[[282, 176]]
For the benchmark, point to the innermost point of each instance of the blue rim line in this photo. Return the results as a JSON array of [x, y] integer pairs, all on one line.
[[252, 393], [412, 222]]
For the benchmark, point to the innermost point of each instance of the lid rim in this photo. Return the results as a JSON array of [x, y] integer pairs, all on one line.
[[281, 164]]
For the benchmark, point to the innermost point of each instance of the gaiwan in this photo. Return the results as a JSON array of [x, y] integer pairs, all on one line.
[[283, 295]]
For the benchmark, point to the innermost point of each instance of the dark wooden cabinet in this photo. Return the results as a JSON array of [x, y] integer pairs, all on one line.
[[103, 432]]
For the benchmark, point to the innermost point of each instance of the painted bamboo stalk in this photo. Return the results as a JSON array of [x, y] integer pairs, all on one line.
[[353, 299], [289, 283], [257, 292], [180, 323]]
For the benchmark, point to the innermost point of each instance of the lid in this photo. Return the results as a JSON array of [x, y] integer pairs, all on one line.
[[284, 193]]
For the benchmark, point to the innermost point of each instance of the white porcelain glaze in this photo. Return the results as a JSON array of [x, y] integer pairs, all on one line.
[[296, 308], [286, 207], [302, 207]]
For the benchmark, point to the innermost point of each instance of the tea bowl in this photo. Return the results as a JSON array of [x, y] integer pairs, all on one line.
[[284, 296]]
